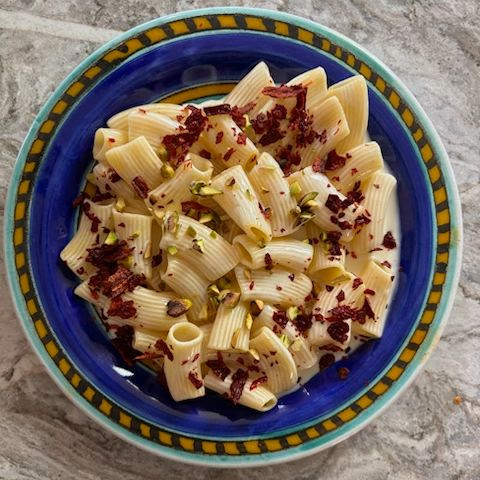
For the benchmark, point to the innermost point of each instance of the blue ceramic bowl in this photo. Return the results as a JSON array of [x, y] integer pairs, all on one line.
[[185, 57]]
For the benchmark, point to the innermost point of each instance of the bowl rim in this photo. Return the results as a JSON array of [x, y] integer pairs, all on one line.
[[426, 348]]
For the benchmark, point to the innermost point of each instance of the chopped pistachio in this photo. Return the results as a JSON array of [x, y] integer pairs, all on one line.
[[191, 232], [208, 191], [175, 308], [203, 315], [306, 240], [120, 204], [198, 245], [135, 234], [127, 262], [172, 222], [172, 250], [306, 198], [159, 213], [295, 189], [213, 234], [296, 345], [310, 204], [91, 178], [167, 171], [148, 250], [196, 186], [213, 290], [295, 211], [285, 340], [292, 313], [229, 299], [111, 238], [248, 321], [163, 155], [256, 307], [235, 335], [267, 167], [254, 353], [223, 283], [205, 218], [230, 182], [213, 301], [249, 131], [249, 195]]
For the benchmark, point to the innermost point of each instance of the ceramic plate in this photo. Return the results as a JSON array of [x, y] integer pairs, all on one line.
[[190, 56]]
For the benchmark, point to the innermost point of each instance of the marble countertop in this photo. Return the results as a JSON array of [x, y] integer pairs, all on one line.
[[434, 47]]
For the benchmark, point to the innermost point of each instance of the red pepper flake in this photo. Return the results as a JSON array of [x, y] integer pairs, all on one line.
[[115, 283], [266, 212], [345, 225], [368, 291], [389, 241], [149, 356], [356, 283], [241, 139], [387, 264], [193, 377], [113, 176], [268, 261], [218, 367], [283, 91], [218, 137], [92, 217], [223, 109], [191, 205], [354, 171], [100, 197], [161, 345], [80, 199], [330, 347], [333, 203], [80, 271], [376, 249], [239, 379], [106, 255], [326, 360], [343, 373], [272, 136], [258, 381], [123, 343], [339, 331], [205, 154], [157, 259], [140, 186], [279, 288], [303, 322], [121, 308], [334, 161], [341, 296], [342, 312], [368, 309], [228, 154], [291, 277], [329, 288], [251, 285], [361, 220], [280, 318]]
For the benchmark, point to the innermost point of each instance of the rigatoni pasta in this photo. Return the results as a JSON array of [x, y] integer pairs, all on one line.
[[238, 244]]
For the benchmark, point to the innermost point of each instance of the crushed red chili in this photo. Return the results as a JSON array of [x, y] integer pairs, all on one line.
[[140, 186], [389, 241], [339, 331], [197, 382], [268, 261], [326, 360], [218, 367], [120, 308], [239, 379], [258, 381], [334, 161], [161, 345]]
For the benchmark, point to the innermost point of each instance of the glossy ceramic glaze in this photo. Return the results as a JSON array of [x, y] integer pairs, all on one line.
[[203, 54]]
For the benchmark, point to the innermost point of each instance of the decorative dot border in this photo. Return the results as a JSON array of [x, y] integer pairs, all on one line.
[[101, 68]]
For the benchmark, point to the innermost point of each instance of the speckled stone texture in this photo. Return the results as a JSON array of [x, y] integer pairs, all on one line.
[[434, 47]]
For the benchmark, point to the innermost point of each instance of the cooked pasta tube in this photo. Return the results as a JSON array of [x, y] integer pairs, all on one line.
[[137, 164], [329, 120], [361, 162], [275, 360], [377, 195], [105, 139], [378, 283], [188, 283], [120, 120], [182, 362], [252, 396], [316, 82], [276, 286], [352, 94], [95, 222], [152, 126], [239, 199], [205, 250], [274, 193], [171, 193], [291, 254], [328, 208], [296, 343], [229, 143], [108, 181], [248, 89], [229, 328], [145, 308]]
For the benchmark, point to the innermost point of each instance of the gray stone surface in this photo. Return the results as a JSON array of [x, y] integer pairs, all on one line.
[[434, 46]]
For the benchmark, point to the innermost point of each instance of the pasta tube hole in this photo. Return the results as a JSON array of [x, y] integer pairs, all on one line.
[[185, 332]]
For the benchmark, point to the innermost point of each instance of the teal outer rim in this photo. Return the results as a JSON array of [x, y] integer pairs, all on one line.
[[367, 415]]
